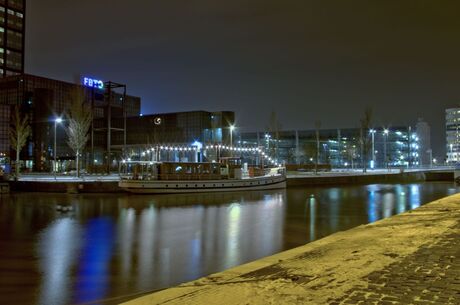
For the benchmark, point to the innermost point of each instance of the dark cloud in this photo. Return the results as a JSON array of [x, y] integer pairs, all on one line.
[[306, 60]]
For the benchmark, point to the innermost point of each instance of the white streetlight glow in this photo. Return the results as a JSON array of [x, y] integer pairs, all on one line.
[[56, 121], [372, 131], [385, 136], [232, 127]]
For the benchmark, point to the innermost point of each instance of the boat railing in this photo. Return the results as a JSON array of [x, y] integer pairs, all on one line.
[[171, 177], [189, 177]]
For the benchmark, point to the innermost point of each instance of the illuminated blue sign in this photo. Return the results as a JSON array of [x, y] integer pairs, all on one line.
[[93, 83]]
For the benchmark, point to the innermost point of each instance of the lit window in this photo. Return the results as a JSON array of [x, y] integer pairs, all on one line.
[[11, 12]]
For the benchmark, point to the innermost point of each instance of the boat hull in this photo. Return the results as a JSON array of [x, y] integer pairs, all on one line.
[[202, 186]]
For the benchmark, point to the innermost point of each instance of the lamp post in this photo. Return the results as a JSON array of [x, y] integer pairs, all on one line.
[[372, 131], [231, 139], [56, 121], [267, 137], [385, 135]]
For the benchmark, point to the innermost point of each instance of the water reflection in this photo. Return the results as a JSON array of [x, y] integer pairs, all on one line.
[[148, 233], [372, 209], [126, 227], [59, 245], [312, 218], [93, 276], [414, 196], [116, 245]]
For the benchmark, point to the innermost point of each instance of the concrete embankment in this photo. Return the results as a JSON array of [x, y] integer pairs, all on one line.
[[411, 258], [111, 186], [65, 187], [369, 178]]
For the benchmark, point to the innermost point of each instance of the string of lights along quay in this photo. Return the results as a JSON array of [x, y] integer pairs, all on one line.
[[197, 147]]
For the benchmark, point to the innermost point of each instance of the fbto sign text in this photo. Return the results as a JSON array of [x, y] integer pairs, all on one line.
[[93, 83]]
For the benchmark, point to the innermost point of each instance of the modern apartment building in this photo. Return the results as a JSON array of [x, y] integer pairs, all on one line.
[[453, 134], [423, 131], [12, 30]]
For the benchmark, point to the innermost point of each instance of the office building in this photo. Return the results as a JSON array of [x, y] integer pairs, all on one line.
[[45, 99], [343, 148], [423, 131], [12, 30], [180, 130], [453, 135]]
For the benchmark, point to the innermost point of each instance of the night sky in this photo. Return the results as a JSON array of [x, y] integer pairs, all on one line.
[[305, 60]]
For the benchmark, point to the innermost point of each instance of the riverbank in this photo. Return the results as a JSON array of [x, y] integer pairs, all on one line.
[[109, 184], [370, 177], [66, 184], [410, 258]]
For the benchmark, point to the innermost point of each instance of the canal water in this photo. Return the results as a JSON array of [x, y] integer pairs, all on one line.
[[116, 246]]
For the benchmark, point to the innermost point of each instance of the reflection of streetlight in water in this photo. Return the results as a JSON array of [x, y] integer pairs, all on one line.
[[312, 205]]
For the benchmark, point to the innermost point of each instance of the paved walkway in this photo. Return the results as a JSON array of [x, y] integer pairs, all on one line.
[[431, 275], [412, 258]]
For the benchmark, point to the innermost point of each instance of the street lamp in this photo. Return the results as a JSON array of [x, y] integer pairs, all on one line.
[[56, 121], [267, 137], [372, 131], [232, 127], [385, 135]]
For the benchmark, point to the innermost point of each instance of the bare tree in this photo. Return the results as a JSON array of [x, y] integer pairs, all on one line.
[[79, 119], [19, 132], [274, 128], [351, 154], [364, 136], [309, 150]]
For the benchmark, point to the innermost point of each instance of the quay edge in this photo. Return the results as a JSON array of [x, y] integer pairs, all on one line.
[[292, 181]]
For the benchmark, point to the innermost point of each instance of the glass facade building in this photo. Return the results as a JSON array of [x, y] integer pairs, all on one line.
[[178, 129], [453, 135], [45, 99], [341, 148], [12, 28]]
